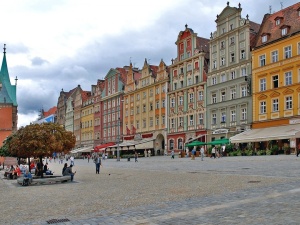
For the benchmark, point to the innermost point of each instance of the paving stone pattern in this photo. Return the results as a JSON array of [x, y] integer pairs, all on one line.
[[161, 190]]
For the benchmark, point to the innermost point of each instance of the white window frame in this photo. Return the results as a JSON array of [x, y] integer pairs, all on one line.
[[275, 105], [288, 78], [244, 113], [288, 102], [262, 84], [274, 56], [287, 52], [262, 107], [262, 60]]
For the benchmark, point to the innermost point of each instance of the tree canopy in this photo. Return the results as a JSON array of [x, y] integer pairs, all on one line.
[[40, 140]]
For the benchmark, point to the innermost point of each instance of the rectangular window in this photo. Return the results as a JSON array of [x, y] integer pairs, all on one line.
[[157, 121], [233, 116], [243, 54], [191, 97], [200, 96], [244, 71], [175, 86], [137, 124], [244, 114], [214, 64], [263, 84], [181, 84], [180, 100], [262, 60], [163, 119], [284, 31], [233, 93], [214, 118], [222, 44], [222, 61], [214, 98], [288, 52], [144, 108], [275, 105], [201, 118], [274, 56], [191, 120], [151, 106], [288, 102], [214, 80], [151, 122], [231, 40], [223, 77], [172, 102], [137, 110], [190, 81], [172, 123], [232, 73], [264, 38], [263, 107], [144, 123], [275, 81], [288, 78], [223, 117], [180, 121], [232, 57], [223, 96], [163, 103], [157, 105], [243, 91]]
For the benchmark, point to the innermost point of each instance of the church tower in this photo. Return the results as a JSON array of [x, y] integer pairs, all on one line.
[[8, 102]]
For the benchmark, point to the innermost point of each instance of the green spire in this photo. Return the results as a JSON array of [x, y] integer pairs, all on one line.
[[8, 92]]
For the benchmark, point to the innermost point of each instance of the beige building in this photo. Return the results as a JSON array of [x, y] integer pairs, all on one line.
[[145, 108]]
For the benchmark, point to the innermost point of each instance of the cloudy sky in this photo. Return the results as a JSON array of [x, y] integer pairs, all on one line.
[[58, 44]]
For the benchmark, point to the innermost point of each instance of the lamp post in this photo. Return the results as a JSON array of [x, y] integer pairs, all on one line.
[[118, 140]]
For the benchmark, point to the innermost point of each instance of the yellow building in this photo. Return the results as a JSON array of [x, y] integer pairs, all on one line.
[[275, 80], [144, 108], [87, 126]]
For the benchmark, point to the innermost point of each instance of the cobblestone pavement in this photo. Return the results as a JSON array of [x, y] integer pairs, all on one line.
[[161, 190]]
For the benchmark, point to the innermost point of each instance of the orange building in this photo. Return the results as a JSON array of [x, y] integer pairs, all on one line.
[[276, 77], [8, 103]]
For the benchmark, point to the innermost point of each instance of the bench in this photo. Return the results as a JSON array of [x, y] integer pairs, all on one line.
[[46, 180]]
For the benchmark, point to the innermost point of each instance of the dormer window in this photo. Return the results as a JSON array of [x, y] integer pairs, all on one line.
[[278, 20], [284, 30], [264, 38]]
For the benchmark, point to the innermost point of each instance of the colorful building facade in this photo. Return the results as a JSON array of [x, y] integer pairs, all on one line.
[[187, 90], [229, 101], [276, 79]]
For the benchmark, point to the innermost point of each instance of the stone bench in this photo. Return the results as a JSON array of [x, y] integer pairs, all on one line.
[[46, 180]]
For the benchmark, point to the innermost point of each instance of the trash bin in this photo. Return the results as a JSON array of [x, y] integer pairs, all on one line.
[[128, 159]]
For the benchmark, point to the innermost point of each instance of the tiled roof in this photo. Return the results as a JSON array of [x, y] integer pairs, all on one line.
[[50, 111], [289, 17], [85, 95]]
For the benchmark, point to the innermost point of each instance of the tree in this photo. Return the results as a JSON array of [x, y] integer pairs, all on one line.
[[40, 140]]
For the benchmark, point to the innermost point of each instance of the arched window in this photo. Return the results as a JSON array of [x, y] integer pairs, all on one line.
[[171, 144], [180, 144]]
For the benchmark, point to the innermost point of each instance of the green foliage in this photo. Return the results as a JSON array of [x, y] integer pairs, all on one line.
[[40, 140], [249, 152], [4, 150], [268, 152]]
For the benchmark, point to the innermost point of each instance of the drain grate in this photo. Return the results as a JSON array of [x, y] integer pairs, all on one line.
[[57, 221], [254, 181]]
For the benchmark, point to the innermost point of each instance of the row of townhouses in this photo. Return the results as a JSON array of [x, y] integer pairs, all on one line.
[[242, 83]]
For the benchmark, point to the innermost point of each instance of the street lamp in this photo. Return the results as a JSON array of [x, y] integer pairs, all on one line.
[[118, 140]]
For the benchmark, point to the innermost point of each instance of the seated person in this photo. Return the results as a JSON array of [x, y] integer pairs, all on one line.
[[27, 178], [46, 170], [17, 172], [68, 172], [8, 170]]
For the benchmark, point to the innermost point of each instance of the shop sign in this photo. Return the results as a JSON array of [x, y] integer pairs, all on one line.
[[220, 131]]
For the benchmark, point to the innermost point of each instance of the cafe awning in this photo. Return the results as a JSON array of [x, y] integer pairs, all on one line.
[[267, 134], [195, 143], [223, 141], [101, 148], [83, 149], [140, 144]]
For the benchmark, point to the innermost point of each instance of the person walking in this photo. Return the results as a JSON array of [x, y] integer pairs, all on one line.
[[213, 152], [298, 150], [98, 164], [172, 154], [202, 152], [136, 157]]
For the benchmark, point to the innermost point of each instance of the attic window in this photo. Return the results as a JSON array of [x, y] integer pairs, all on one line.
[[264, 38], [284, 31], [277, 22]]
